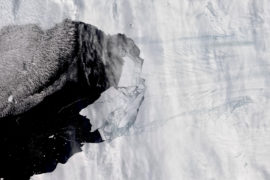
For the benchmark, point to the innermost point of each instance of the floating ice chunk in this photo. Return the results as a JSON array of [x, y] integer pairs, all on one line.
[[131, 71], [116, 110], [119, 121], [10, 99], [97, 112]]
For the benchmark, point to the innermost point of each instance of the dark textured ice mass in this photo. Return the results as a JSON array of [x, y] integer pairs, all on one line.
[[46, 78]]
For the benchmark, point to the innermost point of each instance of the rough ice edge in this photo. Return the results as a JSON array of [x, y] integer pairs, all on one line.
[[114, 113]]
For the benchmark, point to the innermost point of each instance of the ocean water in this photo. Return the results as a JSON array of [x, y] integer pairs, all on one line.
[[206, 69]]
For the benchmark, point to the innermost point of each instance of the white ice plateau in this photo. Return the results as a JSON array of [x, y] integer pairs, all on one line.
[[207, 71]]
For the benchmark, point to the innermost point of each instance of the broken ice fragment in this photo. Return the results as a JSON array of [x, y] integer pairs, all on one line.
[[115, 111], [131, 72], [10, 99], [122, 119]]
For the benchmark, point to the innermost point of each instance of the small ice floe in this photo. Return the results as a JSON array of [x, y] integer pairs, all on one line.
[[10, 99]]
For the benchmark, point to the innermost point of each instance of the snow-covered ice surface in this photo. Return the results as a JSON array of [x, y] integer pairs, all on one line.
[[205, 111]]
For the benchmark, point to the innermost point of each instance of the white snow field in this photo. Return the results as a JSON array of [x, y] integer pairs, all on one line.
[[205, 115]]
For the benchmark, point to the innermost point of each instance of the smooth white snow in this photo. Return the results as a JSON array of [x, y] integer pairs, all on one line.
[[205, 113]]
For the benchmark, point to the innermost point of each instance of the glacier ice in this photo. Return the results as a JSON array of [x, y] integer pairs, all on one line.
[[116, 110], [207, 96]]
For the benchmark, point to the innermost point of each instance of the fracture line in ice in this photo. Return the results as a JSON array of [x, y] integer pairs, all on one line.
[[116, 110]]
